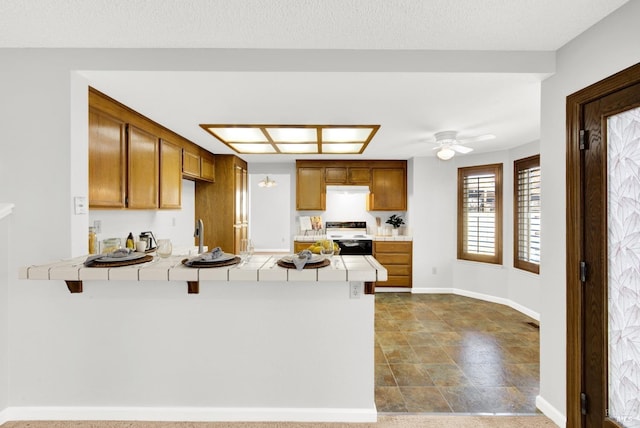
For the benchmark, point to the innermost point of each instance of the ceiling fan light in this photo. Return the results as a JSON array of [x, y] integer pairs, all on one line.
[[445, 153]]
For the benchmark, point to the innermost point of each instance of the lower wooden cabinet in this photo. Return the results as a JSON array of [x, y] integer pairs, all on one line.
[[396, 257], [301, 245]]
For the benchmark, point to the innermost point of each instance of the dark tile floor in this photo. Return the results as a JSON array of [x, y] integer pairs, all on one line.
[[448, 353]]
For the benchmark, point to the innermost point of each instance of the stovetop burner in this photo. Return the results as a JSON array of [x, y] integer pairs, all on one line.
[[347, 230]]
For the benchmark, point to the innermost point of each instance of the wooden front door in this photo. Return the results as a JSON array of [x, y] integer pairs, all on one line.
[[603, 253]]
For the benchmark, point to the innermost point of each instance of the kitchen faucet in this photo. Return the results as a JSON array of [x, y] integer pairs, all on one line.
[[199, 233]]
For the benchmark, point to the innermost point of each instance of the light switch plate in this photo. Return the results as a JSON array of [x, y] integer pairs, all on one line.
[[80, 204]]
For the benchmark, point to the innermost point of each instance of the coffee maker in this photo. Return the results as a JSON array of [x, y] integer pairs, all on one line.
[[149, 239]]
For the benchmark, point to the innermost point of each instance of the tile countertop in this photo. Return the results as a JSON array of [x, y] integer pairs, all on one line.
[[307, 238], [260, 268]]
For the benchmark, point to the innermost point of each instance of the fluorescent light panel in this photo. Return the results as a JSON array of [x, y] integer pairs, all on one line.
[[345, 135], [293, 139], [293, 135]]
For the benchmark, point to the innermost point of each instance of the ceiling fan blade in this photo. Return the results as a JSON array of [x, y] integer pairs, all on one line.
[[484, 137], [461, 149]]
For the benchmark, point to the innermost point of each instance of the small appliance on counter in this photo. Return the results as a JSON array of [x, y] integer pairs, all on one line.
[[148, 237]]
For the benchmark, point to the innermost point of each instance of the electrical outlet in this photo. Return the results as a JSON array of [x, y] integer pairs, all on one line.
[[97, 225], [356, 289]]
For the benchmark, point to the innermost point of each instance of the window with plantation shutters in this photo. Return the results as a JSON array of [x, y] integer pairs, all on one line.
[[480, 213], [526, 197]]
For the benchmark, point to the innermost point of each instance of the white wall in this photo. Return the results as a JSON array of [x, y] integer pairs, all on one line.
[[604, 49], [275, 205], [5, 244], [270, 212], [434, 208], [432, 192], [177, 225]]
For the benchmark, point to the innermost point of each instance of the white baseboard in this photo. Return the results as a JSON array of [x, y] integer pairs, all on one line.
[[189, 414], [486, 297], [551, 412]]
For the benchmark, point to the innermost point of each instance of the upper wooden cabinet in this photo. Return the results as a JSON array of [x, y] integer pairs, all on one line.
[[135, 162], [107, 161], [207, 167], [387, 181], [197, 165], [310, 188], [190, 163], [170, 175], [347, 175], [143, 169], [388, 189]]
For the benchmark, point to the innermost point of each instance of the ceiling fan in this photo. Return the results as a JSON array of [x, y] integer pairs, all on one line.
[[448, 144]]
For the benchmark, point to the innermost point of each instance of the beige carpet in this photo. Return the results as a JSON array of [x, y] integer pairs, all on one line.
[[384, 421]]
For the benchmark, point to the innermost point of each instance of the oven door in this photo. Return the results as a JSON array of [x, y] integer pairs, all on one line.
[[355, 247]]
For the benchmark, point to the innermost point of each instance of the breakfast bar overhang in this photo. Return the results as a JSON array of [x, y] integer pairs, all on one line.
[[258, 342]]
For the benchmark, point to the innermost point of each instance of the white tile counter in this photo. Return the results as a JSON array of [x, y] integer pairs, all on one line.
[[259, 268], [306, 238]]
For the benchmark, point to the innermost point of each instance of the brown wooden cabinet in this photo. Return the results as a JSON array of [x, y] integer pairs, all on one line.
[[388, 189], [301, 245], [240, 215], [190, 163], [396, 257], [135, 162], [143, 169], [387, 181], [310, 189], [222, 205], [207, 167], [107, 161], [170, 175], [347, 175], [198, 165]]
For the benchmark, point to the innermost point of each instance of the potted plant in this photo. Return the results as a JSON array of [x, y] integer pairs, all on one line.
[[396, 221]]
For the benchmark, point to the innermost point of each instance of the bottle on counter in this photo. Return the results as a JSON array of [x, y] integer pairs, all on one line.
[[93, 241], [130, 244]]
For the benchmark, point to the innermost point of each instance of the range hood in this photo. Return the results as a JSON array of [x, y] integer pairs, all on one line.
[[346, 190]]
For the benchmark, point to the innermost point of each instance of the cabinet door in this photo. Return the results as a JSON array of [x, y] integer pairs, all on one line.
[[240, 232], [240, 198], [107, 161], [397, 258], [359, 175], [190, 163], [388, 190], [170, 175], [207, 168], [143, 169], [300, 245], [310, 189], [335, 175]]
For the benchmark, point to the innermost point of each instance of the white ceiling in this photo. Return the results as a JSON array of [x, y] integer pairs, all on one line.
[[420, 78]]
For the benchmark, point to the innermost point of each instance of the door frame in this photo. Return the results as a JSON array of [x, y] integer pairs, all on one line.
[[574, 222]]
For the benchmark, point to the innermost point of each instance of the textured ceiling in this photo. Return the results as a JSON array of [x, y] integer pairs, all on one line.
[[416, 67], [300, 24]]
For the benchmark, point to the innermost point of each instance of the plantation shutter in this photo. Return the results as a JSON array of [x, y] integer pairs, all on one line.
[[527, 213], [480, 216]]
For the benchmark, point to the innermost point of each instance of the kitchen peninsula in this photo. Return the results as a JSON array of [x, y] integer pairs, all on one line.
[[259, 342]]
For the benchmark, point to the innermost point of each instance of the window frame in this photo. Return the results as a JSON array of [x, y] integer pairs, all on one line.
[[519, 165], [496, 170]]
